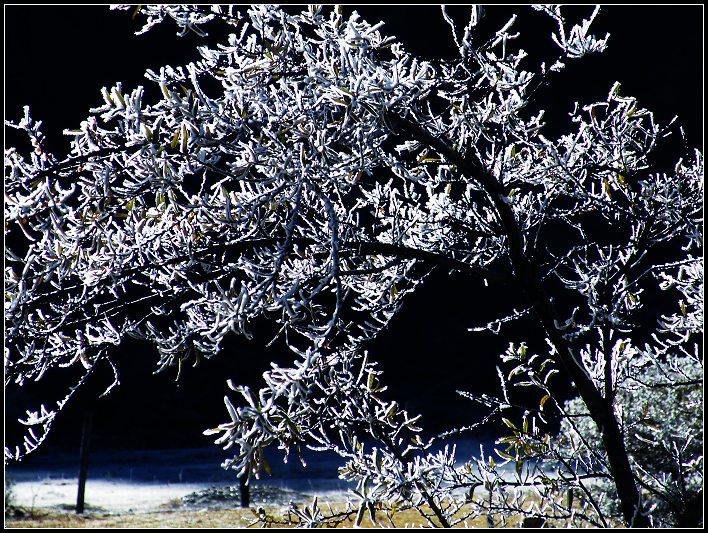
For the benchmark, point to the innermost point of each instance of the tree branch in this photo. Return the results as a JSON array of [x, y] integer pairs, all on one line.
[[526, 273]]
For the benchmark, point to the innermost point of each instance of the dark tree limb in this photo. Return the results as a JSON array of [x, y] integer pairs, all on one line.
[[526, 273]]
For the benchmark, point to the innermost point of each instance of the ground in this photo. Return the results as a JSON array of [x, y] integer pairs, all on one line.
[[49, 504]]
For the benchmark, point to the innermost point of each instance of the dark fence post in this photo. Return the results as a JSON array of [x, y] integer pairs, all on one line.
[[84, 457], [243, 491]]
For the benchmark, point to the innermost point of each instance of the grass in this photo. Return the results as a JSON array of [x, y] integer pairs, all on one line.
[[176, 514], [166, 518], [218, 518]]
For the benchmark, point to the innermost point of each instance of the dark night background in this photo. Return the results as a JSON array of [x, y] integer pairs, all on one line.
[[58, 58]]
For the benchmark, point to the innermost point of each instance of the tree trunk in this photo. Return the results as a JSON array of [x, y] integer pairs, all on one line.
[[526, 274], [84, 458], [601, 409], [244, 493]]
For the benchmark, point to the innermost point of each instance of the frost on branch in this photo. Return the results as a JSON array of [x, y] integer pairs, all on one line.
[[309, 171]]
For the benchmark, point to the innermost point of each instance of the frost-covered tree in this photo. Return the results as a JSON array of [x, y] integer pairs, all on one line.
[[310, 171]]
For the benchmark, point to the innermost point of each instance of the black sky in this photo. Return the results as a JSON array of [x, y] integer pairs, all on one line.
[[58, 57]]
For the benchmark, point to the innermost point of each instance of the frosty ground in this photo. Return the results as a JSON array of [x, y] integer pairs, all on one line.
[[164, 488], [109, 503], [147, 480]]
